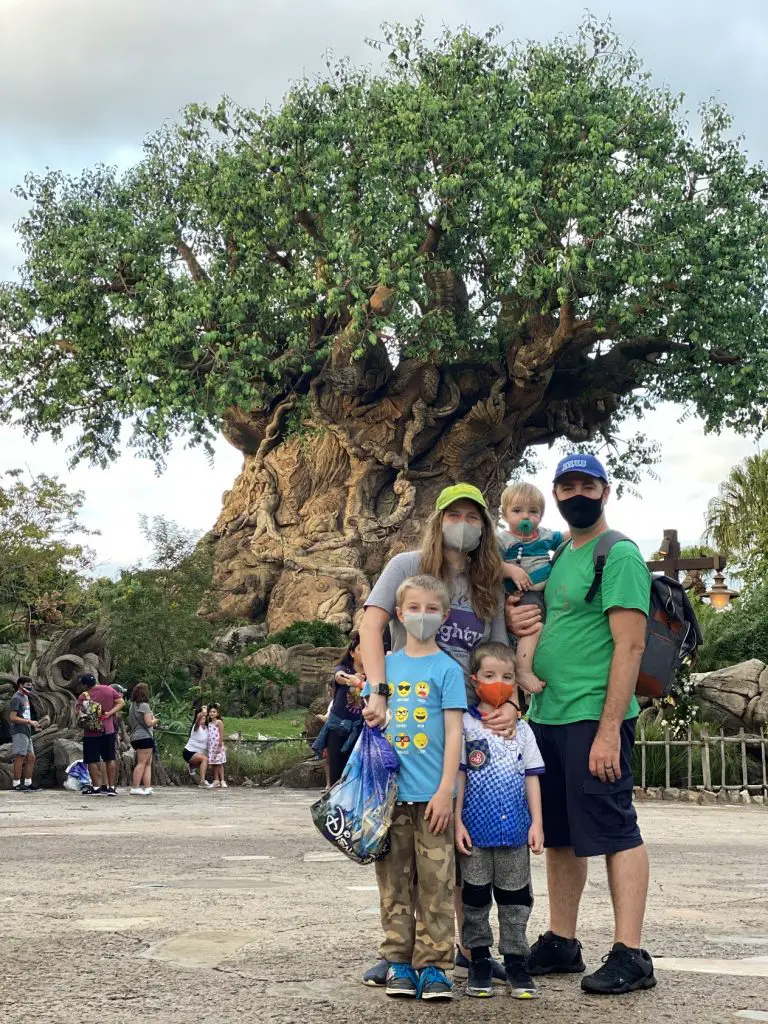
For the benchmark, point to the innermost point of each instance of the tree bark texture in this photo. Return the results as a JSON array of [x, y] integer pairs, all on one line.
[[339, 479]]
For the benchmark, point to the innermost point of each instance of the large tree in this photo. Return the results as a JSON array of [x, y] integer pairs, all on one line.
[[402, 277]]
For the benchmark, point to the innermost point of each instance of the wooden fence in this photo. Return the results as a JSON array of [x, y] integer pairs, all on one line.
[[741, 773]]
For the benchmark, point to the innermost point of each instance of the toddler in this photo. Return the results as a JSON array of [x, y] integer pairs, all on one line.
[[217, 753], [498, 819], [525, 549]]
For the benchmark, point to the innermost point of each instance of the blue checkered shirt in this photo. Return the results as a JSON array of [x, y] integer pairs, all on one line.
[[495, 811]]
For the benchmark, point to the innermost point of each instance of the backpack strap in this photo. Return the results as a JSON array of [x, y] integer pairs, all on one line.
[[600, 557], [559, 551]]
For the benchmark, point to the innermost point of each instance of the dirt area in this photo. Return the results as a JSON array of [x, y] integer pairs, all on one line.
[[213, 908]]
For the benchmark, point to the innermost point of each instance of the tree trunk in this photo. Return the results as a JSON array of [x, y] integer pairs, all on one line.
[[312, 518]]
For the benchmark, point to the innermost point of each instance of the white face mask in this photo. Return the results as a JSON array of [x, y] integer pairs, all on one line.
[[422, 625], [462, 536]]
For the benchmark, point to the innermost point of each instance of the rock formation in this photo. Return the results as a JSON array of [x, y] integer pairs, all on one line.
[[738, 695]]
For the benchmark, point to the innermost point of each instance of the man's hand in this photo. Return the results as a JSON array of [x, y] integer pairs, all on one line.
[[605, 756], [536, 837], [521, 619], [439, 811], [463, 840], [518, 574], [375, 711], [503, 721]]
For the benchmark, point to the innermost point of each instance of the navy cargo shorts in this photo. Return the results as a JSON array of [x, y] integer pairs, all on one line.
[[579, 810]]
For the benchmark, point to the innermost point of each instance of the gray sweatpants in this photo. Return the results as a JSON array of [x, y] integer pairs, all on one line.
[[503, 873]]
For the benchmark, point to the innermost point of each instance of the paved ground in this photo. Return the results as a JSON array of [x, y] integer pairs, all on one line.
[[213, 908]]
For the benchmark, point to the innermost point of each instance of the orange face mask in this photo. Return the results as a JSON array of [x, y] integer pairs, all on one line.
[[495, 693]]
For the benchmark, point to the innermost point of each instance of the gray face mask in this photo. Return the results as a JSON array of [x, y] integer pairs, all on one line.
[[462, 536], [422, 625]]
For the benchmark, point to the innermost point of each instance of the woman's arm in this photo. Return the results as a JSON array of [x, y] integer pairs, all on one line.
[[372, 652]]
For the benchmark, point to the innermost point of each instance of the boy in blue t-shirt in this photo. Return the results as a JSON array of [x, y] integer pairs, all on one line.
[[498, 819], [425, 703], [526, 548]]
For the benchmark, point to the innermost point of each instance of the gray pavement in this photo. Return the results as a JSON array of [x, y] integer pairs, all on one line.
[[211, 908]]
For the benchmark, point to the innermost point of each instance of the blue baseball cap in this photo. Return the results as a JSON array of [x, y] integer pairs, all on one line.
[[577, 463]]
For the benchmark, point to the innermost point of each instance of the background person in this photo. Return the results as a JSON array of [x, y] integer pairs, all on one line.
[[22, 726], [217, 753], [100, 746], [141, 723], [195, 751], [345, 718]]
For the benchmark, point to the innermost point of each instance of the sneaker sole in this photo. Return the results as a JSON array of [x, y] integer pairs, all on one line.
[[523, 993], [636, 986], [447, 996], [400, 993], [370, 983], [539, 972], [480, 993]]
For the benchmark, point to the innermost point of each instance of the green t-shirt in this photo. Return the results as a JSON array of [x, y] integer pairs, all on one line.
[[576, 646]]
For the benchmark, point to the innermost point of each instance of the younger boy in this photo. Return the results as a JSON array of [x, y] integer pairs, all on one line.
[[498, 818], [525, 549], [426, 698], [22, 724]]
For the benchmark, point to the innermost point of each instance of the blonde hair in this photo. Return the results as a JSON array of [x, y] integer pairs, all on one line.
[[523, 493], [484, 565], [431, 584], [493, 649]]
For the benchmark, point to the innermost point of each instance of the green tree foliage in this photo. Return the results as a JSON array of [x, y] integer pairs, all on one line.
[[151, 612], [735, 635], [737, 519], [41, 559], [537, 207]]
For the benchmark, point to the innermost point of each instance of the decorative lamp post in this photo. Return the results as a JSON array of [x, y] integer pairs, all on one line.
[[719, 594]]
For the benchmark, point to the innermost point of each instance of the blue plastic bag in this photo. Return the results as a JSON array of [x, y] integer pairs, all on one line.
[[78, 776], [355, 815]]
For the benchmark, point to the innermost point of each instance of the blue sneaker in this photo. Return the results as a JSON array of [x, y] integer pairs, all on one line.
[[402, 980], [376, 976], [434, 984]]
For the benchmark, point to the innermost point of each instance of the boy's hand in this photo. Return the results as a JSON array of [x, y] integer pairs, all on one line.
[[518, 574], [463, 839], [375, 712], [536, 838], [439, 811]]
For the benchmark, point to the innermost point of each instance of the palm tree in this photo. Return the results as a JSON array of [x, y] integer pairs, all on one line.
[[737, 519]]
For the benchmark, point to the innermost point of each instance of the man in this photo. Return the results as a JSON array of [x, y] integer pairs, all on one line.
[[22, 724], [584, 722], [100, 745]]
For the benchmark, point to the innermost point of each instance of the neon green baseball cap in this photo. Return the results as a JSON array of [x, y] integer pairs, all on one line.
[[455, 492]]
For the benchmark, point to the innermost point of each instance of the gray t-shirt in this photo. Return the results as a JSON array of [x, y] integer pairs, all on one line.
[[139, 731], [20, 704], [461, 632]]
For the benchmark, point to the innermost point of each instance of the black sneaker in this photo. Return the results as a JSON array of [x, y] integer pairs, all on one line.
[[17, 789], [520, 983], [551, 954], [111, 791], [461, 969], [480, 979], [89, 791], [376, 976], [623, 970], [101, 791], [32, 789]]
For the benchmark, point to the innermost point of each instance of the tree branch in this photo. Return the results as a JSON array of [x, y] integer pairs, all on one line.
[[195, 270]]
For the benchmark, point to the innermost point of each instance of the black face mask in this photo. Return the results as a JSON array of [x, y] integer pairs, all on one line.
[[581, 512]]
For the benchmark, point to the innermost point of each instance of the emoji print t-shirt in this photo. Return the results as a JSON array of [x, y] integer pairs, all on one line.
[[420, 690]]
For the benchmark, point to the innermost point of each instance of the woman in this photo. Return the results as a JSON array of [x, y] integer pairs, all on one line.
[[459, 547], [345, 720], [141, 723], [195, 752]]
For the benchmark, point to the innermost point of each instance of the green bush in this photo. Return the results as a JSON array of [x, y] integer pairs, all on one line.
[[735, 635], [246, 691], [276, 759], [317, 633]]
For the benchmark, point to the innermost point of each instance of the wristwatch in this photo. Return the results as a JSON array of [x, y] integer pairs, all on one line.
[[380, 690]]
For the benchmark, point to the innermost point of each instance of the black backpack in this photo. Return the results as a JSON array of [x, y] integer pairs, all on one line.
[[672, 633]]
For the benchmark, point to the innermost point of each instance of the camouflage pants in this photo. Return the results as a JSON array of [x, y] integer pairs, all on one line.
[[417, 916]]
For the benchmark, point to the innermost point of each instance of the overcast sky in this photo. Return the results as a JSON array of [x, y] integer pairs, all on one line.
[[82, 81]]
